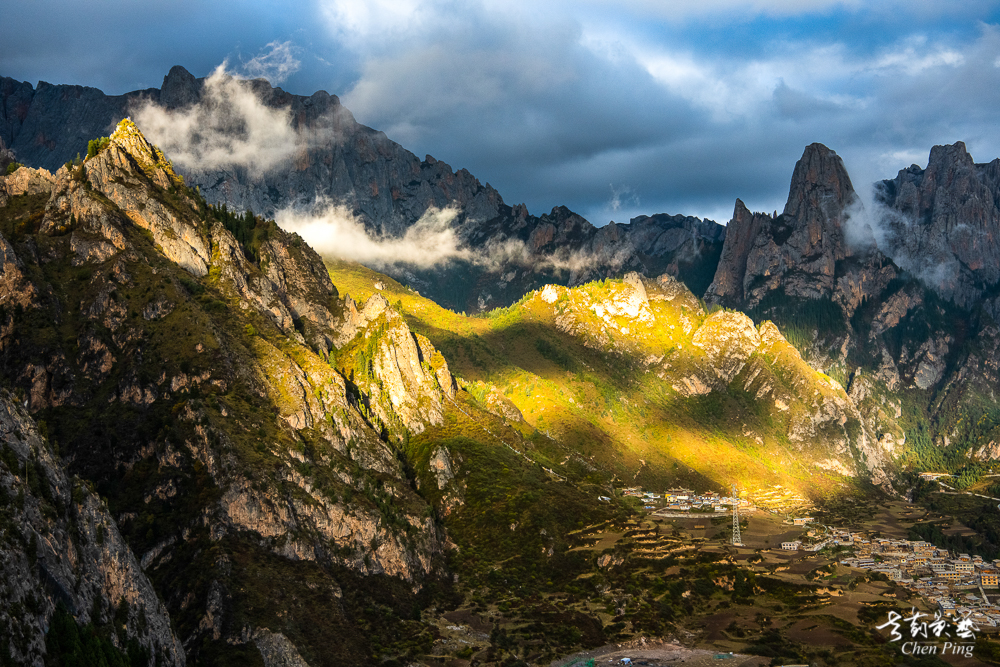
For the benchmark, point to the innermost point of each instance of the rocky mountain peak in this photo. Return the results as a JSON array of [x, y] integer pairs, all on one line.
[[180, 88], [130, 139], [385, 187], [796, 251], [819, 183], [949, 157], [741, 232], [943, 223]]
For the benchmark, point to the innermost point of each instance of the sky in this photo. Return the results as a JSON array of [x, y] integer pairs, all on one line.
[[614, 109]]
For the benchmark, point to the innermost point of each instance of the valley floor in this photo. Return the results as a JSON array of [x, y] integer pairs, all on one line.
[[762, 604], [657, 653]]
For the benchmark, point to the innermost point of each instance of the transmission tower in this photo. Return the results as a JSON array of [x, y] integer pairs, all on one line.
[[737, 540]]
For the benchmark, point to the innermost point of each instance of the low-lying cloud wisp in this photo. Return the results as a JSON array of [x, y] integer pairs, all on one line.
[[514, 252], [334, 231], [895, 234]]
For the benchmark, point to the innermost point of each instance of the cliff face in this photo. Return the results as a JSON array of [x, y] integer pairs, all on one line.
[[797, 251], [48, 125], [741, 234], [184, 361], [942, 223], [60, 545]]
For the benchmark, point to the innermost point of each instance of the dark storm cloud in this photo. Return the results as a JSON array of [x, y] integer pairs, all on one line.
[[612, 108], [567, 108], [119, 46]]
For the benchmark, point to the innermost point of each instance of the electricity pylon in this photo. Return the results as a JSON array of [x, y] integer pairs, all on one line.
[[737, 540]]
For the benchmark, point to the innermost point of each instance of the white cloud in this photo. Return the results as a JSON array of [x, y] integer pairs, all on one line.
[[333, 231], [360, 21], [275, 65], [229, 127], [622, 193], [898, 159], [737, 11], [914, 56], [678, 9]]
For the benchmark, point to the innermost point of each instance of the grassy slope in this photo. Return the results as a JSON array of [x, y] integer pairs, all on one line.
[[602, 405]]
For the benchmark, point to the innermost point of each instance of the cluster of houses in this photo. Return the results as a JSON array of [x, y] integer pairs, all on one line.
[[684, 500], [954, 583]]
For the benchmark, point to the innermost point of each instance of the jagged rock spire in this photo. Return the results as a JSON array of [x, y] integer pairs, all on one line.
[[797, 250], [820, 184], [740, 234]]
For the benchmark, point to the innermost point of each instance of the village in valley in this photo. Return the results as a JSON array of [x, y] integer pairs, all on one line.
[[952, 584]]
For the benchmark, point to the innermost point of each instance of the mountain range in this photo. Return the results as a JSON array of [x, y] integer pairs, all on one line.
[[333, 158], [221, 447]]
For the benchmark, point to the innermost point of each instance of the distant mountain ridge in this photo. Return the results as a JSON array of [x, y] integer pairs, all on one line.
[[381, 183]]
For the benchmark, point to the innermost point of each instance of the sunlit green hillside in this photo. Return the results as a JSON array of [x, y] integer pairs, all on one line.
[[652, 391]]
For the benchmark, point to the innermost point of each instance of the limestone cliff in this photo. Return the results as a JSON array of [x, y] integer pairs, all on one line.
[[401, 378], [741, 233], [896, 305], [60, 545], [942, 223]]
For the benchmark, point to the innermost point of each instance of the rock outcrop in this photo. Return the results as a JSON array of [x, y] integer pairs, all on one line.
[[797, 251], [942, 223], [60, 545], [403, 379], [24, 182], [741, 233]]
